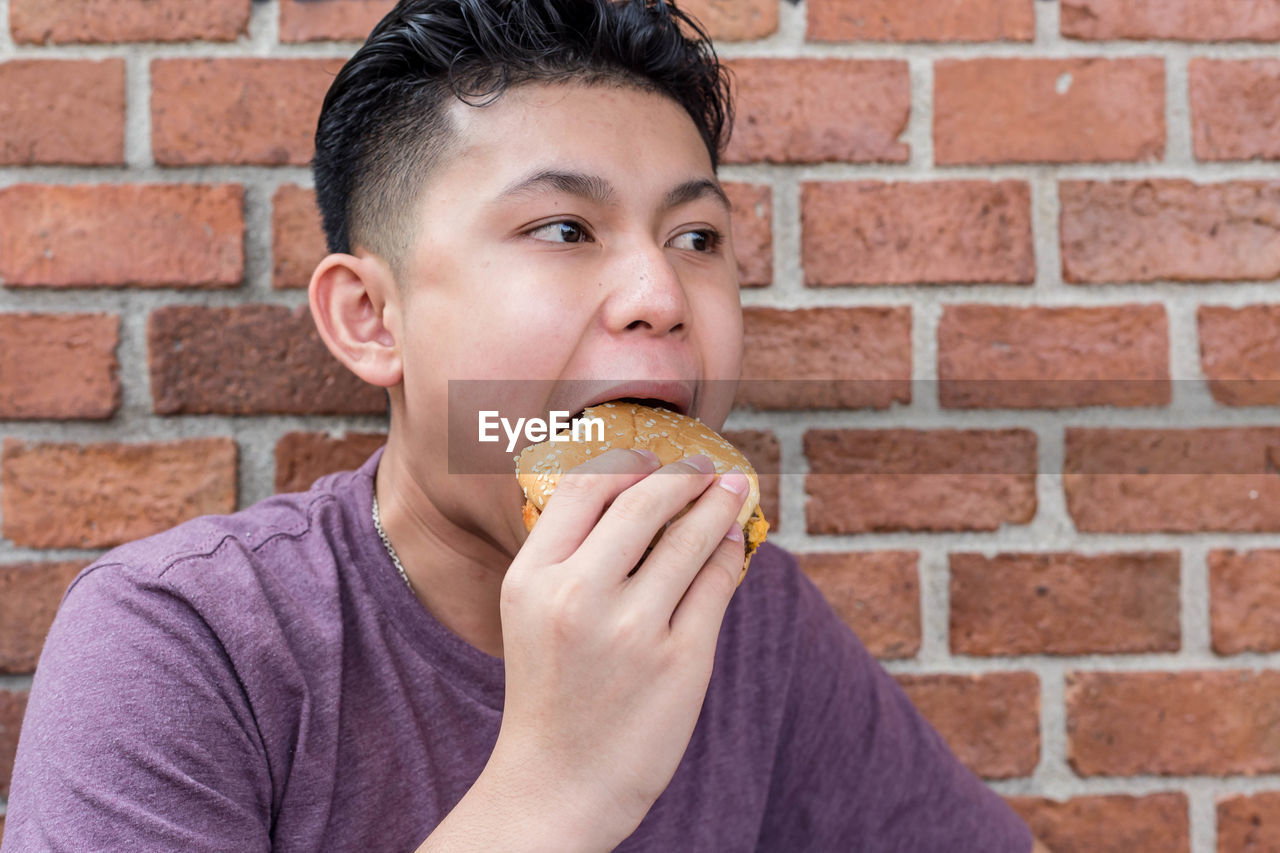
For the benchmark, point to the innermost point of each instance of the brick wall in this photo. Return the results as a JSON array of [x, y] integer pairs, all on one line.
[[1037, 241]]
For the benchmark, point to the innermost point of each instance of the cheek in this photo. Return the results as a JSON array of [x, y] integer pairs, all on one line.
[[722, 334], [506, 343]]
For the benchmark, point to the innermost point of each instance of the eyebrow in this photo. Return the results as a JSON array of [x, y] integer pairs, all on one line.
[[596, 189]]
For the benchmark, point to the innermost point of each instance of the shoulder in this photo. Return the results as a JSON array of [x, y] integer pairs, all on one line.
[[271, 561], [219, 545]]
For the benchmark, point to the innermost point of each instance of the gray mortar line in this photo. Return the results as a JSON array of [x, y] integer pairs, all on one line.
[[137, 113], [264, 27], [257, 238], [790, 35], [1053, 765], [935, 606], [919, 130], [1193, 591], [1202, 821], [6, 37], [1177, 111], [1057, 49], [1045, 208], [1047, 27]]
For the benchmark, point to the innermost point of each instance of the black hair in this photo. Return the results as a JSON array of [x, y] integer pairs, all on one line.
[[384, 123]]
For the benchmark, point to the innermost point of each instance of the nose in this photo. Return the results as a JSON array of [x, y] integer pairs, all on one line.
[[645, 294]]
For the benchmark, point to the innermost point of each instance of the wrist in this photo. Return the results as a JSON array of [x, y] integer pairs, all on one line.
[[550, 814]]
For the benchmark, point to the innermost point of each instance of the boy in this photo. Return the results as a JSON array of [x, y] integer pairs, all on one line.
[[518, 190]]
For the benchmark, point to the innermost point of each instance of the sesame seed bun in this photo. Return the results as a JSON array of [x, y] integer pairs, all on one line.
[[670, 435]]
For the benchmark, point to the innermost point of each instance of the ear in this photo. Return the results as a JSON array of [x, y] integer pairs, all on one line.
[[355, 307]]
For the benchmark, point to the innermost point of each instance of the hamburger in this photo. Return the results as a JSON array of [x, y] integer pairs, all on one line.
[[670, 435]]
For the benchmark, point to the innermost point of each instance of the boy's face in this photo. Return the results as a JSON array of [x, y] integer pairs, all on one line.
[[621, 272]]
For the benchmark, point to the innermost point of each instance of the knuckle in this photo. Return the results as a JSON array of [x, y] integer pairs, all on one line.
[[575, 487], [565, 616], [513, 593], [636, 505], [630, 631], [685, 540], [724, 576]]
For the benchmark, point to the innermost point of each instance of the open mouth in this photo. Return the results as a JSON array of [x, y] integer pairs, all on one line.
[[652, 402]]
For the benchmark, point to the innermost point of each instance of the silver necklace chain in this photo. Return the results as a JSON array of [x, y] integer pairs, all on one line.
[[386, 543]]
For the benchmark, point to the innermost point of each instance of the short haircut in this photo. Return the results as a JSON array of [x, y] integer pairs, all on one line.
[[384, 124]]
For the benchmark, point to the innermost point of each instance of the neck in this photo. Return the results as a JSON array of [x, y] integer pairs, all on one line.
[[455, 570]]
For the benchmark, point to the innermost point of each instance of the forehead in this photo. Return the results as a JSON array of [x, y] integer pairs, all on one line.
[[637, 140]]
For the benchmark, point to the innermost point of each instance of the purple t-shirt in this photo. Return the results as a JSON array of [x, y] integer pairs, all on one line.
[[266, 681]]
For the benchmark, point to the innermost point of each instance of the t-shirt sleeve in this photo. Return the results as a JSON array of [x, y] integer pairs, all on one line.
[[137, 735], [858, 767]]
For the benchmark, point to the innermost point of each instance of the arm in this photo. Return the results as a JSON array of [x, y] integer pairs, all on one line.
[[136, 734], [1038, 847], [494, 817], [605, 675]]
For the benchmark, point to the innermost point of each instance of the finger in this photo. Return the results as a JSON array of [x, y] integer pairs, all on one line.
[[635, 516], [695, 624], [580, 498], [689, 543]]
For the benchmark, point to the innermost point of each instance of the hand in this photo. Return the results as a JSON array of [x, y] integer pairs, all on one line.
[[606, 674]]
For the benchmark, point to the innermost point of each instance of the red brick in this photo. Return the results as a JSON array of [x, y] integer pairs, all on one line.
[[330, 20], [825, 358], [95, 21], [351, 20], [1249, 823], [1064, 604], [1186, 20], [752, 232], [901, 479], [62, 112], [297, 238], [1120, 231], [930, 20], [1048, 110], [102, 495], [249, 360], [1174, 480], [995, 356], [29, 598], [1235, 108], [304, 457], [820, 110], [13, 705], [1210, 723], [991, 722], [1244, 601], [106, 235], [59, 366], [237, 110], [1240, 353], [952, 232], [763, 451], [735, 20], [1113, 823], [877, 593]]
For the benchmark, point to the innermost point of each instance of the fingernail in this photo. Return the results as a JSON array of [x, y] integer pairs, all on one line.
[[734, 534], [736, 482], [701, 463], [648, 455]]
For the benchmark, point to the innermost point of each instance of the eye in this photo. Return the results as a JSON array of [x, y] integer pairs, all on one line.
[[564, 231], [701, 240]]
